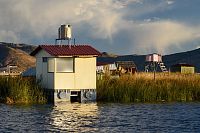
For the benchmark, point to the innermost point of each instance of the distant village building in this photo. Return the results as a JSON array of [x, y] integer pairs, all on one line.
[[67, 72], [106, 68], [9, 70], [126, 67], [154, 57], [117, 68], [182, 68], [154, 61]]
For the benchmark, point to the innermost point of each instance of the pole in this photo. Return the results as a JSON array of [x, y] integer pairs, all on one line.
[[154, 71], [9, 69]]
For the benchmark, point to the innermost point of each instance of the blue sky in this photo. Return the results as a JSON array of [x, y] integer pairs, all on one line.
[[115, 26]]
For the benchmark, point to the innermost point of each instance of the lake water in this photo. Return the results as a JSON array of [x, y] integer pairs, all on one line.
[[173, 117]]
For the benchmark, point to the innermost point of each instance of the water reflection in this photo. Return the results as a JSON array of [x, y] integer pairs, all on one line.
[[74, 117]]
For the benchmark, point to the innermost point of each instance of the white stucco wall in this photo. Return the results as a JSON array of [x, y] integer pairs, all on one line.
[[85, 73], [64, 81], [47, 79], [84, 76]]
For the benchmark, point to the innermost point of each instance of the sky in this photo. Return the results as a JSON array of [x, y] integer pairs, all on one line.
[[114, 26]]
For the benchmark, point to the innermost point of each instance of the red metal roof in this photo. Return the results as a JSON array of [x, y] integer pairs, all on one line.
[[67, 50]]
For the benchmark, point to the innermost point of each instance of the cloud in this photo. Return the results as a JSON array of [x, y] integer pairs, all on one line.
[[107, 23], [41, 18], [161, 35], [169, 2], [9, 35]]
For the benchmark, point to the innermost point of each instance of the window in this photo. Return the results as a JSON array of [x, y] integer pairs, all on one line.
[[65, 64], [44, 59], [62, 64], [50, 64]]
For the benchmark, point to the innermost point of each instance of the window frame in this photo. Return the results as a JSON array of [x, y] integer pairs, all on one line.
[[48, 65], [73, 60], [44, 59], [73, 71]]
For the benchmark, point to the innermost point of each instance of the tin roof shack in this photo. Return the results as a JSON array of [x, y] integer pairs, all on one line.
[[126, 67], [108, 69], [67, 72], [183, 68], [9, 70]]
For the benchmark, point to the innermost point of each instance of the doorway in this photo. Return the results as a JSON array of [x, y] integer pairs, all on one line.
[[75, 96]]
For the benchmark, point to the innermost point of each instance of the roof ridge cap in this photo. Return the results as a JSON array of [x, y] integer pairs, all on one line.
[[65, 45]]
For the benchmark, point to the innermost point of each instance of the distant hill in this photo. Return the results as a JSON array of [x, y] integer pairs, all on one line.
[[105, 54], [24, 47], [189, 57], [16, 55]]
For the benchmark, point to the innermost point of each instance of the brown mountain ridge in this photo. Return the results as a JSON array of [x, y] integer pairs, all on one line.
[[16, 55]]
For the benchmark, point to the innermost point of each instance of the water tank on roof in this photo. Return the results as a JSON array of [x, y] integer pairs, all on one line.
[[65, 32]]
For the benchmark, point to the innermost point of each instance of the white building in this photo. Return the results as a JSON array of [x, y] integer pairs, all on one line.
[[67, 72], [154, 58], [153, 61]]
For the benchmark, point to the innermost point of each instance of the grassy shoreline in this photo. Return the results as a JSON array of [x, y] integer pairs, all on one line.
[[141, 87], [18, 90]]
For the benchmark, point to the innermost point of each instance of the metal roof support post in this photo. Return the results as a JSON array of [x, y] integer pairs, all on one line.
[[154, 71], [55, 68]]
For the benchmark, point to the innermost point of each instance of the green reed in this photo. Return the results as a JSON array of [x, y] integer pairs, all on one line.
[[21, 90], [142, 87]]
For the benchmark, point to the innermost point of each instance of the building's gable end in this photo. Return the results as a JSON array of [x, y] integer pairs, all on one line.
[[42, 53]]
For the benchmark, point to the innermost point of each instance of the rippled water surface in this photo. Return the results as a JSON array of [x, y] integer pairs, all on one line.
[[174, 117]]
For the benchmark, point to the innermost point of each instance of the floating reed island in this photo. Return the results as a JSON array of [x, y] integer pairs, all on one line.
[[19, 90], [141, 87]]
